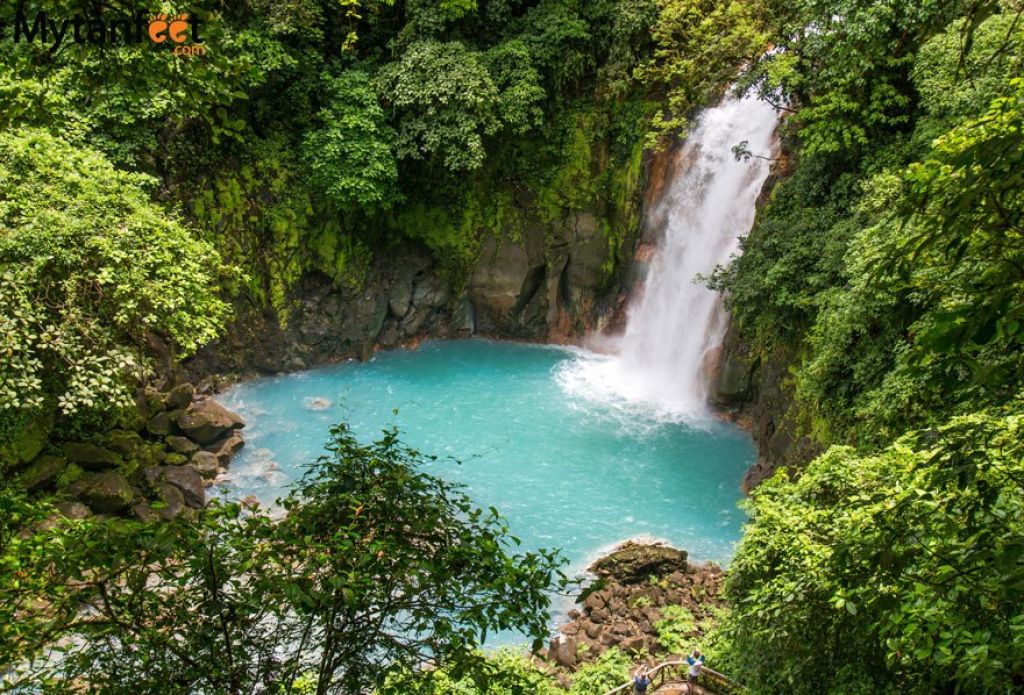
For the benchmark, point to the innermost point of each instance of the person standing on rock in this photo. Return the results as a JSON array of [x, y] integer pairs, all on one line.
[[640, 682], [696, 662]]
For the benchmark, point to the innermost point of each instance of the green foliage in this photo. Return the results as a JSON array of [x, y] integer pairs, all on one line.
[[518, 85], [909, 561], [700, 46], [676, 630], [503, 673], [846, 63], [91, 269], [888, 266], [350, 156], [608, 671], [893, 278], [558, 39], [445, 102], [936, 277], [375, 565], [142, 87]]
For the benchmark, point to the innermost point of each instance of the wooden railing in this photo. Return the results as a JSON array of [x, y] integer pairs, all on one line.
[[658, 676]]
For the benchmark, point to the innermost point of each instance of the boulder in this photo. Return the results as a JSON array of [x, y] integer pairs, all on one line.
[[154, 401], [563, 651], [207, 421], [430, 292], [160, 424], [185, 478], [73, 510], [171, 498], [400, 299], [169, 503], [104, 493], [182, 445], [24, 443], [91, 457], [123, 442], [633, 563], [173, 459], [632, 644], [42, 473], [225, 449], [206, 464], [179, 397]]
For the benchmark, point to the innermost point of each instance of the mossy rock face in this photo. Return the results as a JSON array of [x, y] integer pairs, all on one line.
[[178, 398], [92, 457], [175, 459], [154, 402], [124, 442], [182, 445], [161, 424], [151, 454], [24, 440], [104, 493], [43, 472], [633, 563]]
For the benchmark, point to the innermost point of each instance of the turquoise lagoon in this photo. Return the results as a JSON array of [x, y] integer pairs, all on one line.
[[568, 471]]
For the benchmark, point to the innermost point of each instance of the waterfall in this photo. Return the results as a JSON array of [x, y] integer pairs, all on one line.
[[675, 324]]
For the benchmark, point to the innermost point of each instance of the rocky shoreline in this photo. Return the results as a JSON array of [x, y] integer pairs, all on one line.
[[648, 600], [156, 466]]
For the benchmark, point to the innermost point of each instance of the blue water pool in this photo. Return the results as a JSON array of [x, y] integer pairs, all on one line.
[[567, 471]]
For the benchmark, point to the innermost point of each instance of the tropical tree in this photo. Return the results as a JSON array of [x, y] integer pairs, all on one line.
[[90, 271], [374, 565]]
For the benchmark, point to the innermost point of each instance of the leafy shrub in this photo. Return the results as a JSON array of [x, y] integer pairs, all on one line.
[[90, 269], [676, 629]]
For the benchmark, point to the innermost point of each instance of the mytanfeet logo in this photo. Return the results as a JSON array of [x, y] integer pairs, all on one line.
[[179, 31]]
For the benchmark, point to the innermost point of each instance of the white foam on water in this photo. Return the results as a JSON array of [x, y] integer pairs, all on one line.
[[657, 368]]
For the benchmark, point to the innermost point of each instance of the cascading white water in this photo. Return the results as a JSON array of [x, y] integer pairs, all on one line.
[[675, 323]]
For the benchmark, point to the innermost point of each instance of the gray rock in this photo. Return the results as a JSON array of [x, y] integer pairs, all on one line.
[[160, 424], [154, 401], [123, 442], [207, 421], [179, 398], [73, 510], [632, 563], [182, 445], [465, 317], [430, 292], [171, 499], [632, 644], [185, 478], [169, 504], [400, 299], [225, 449], [144, 512], [206, 464], [91, 457], [562, 651], [103, 493], [43, 472]]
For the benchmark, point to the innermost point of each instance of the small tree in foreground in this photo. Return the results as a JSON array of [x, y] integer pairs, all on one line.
[[375, 565]]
